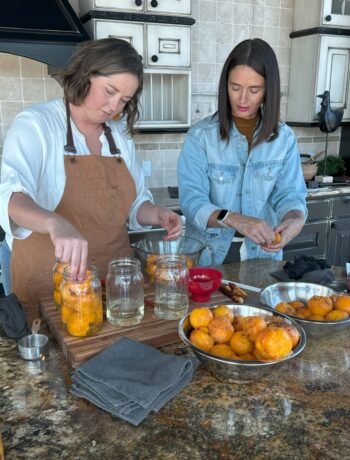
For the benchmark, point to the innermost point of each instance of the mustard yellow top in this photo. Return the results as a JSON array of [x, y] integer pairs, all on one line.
[[247, 127]]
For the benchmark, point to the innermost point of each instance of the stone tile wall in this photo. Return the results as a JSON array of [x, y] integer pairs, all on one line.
[[220, 25]]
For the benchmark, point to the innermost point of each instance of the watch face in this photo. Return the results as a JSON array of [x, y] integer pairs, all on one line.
[[222, 214]]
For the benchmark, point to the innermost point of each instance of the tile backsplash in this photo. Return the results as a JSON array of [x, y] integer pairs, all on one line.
[[219, 26]]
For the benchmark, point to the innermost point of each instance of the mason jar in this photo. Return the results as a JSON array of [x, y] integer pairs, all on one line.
[[124, 292], [81, 302], [171, 287], [57, 280]]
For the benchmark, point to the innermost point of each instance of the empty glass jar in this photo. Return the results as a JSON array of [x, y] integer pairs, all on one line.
[[81, 303], [124, 292], [171, 287]]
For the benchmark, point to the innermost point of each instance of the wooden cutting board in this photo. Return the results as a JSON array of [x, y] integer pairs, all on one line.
[[152, 330]]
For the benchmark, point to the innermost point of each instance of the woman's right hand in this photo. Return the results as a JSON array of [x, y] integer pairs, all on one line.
[[257, 230], [70, 245]]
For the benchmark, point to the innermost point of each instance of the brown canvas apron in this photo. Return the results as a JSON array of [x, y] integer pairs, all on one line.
[[96, 200]]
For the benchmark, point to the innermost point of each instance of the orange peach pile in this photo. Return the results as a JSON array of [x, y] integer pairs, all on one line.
[[318, 308], [217, 331]]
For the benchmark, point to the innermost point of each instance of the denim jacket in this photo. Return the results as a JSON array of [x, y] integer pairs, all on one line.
[[212, 174]]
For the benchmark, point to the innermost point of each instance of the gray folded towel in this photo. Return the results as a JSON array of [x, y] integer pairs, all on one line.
[[130, 379]]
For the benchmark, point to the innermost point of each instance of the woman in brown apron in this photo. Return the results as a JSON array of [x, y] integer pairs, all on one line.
[[103, 80]]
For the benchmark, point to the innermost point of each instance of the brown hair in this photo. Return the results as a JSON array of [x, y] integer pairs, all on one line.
[[258, 55], [103, 57]]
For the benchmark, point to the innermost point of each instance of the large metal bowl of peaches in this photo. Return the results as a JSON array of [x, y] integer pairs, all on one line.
[[241, 343], [317, 309]]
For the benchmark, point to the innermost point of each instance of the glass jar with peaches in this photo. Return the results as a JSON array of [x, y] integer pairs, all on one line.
[[57, 280], [81, 302]]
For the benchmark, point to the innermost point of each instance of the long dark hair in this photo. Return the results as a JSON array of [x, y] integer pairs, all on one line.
[[103, 57], [258, 55]]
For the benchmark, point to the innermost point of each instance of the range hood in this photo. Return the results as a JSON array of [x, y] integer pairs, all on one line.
[[45, 30]]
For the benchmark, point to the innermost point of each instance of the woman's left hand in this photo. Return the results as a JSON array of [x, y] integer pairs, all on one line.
[[288, 229], [171, 222]]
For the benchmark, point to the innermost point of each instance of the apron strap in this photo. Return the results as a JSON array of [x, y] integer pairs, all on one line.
[[69, 147], [112, 147]]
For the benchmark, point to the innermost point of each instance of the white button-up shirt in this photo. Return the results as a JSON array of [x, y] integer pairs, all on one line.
[[33, 161]]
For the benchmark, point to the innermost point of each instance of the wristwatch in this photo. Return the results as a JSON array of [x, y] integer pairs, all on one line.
[[223, 215]]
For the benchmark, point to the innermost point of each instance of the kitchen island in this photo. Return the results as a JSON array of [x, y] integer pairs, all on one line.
[[300, 411]]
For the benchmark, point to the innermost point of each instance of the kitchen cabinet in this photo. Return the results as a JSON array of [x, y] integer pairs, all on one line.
[[164, 42], [318, 63], [326, 233], [314, 13], [151, 6], [338, 252], [159, 45]]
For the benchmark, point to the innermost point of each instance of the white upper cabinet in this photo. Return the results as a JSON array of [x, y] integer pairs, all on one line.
[[168, 6], [168, 46], [316, 13], [318, 63], [149, 6], [128, 31], [160, 31]]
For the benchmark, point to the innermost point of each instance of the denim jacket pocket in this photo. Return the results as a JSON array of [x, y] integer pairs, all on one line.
[[223, 184], [265, 178]]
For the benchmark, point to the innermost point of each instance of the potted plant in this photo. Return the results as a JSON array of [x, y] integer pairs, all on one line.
[[335, 166]]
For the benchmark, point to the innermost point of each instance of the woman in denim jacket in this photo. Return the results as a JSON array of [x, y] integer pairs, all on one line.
[[239, 171]]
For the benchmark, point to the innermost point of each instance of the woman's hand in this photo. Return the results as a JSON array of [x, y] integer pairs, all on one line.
[[291, 226], [70, 245], [150, 214], [257, 230], [171, 222]]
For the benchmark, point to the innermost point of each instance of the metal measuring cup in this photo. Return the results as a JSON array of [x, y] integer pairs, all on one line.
[[33, 346]]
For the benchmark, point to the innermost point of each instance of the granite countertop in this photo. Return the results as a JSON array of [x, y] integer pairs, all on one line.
[[300, 411]]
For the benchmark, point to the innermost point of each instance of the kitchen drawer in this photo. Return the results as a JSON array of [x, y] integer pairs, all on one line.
[[341, 207], [128, 31], [168, 46], [149, 6], [318, 210]]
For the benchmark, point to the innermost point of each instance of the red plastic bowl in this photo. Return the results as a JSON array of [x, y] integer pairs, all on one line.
[[203, 282]]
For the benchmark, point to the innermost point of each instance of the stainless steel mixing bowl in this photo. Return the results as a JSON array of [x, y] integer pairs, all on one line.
[[236, 370], [286, 292]]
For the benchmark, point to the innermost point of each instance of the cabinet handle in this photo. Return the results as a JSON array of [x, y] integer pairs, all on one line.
[[138, 2], [328, 18], [154, 58], [154, 3]]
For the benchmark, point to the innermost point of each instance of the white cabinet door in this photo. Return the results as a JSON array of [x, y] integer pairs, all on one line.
[[129, 31], [318, 63], [150, 6], [169, 6], [168, 46], [336, 13], [333, 72], [113, 5]]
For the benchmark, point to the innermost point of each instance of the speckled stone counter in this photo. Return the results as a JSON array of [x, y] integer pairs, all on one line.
[[300, 411]]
